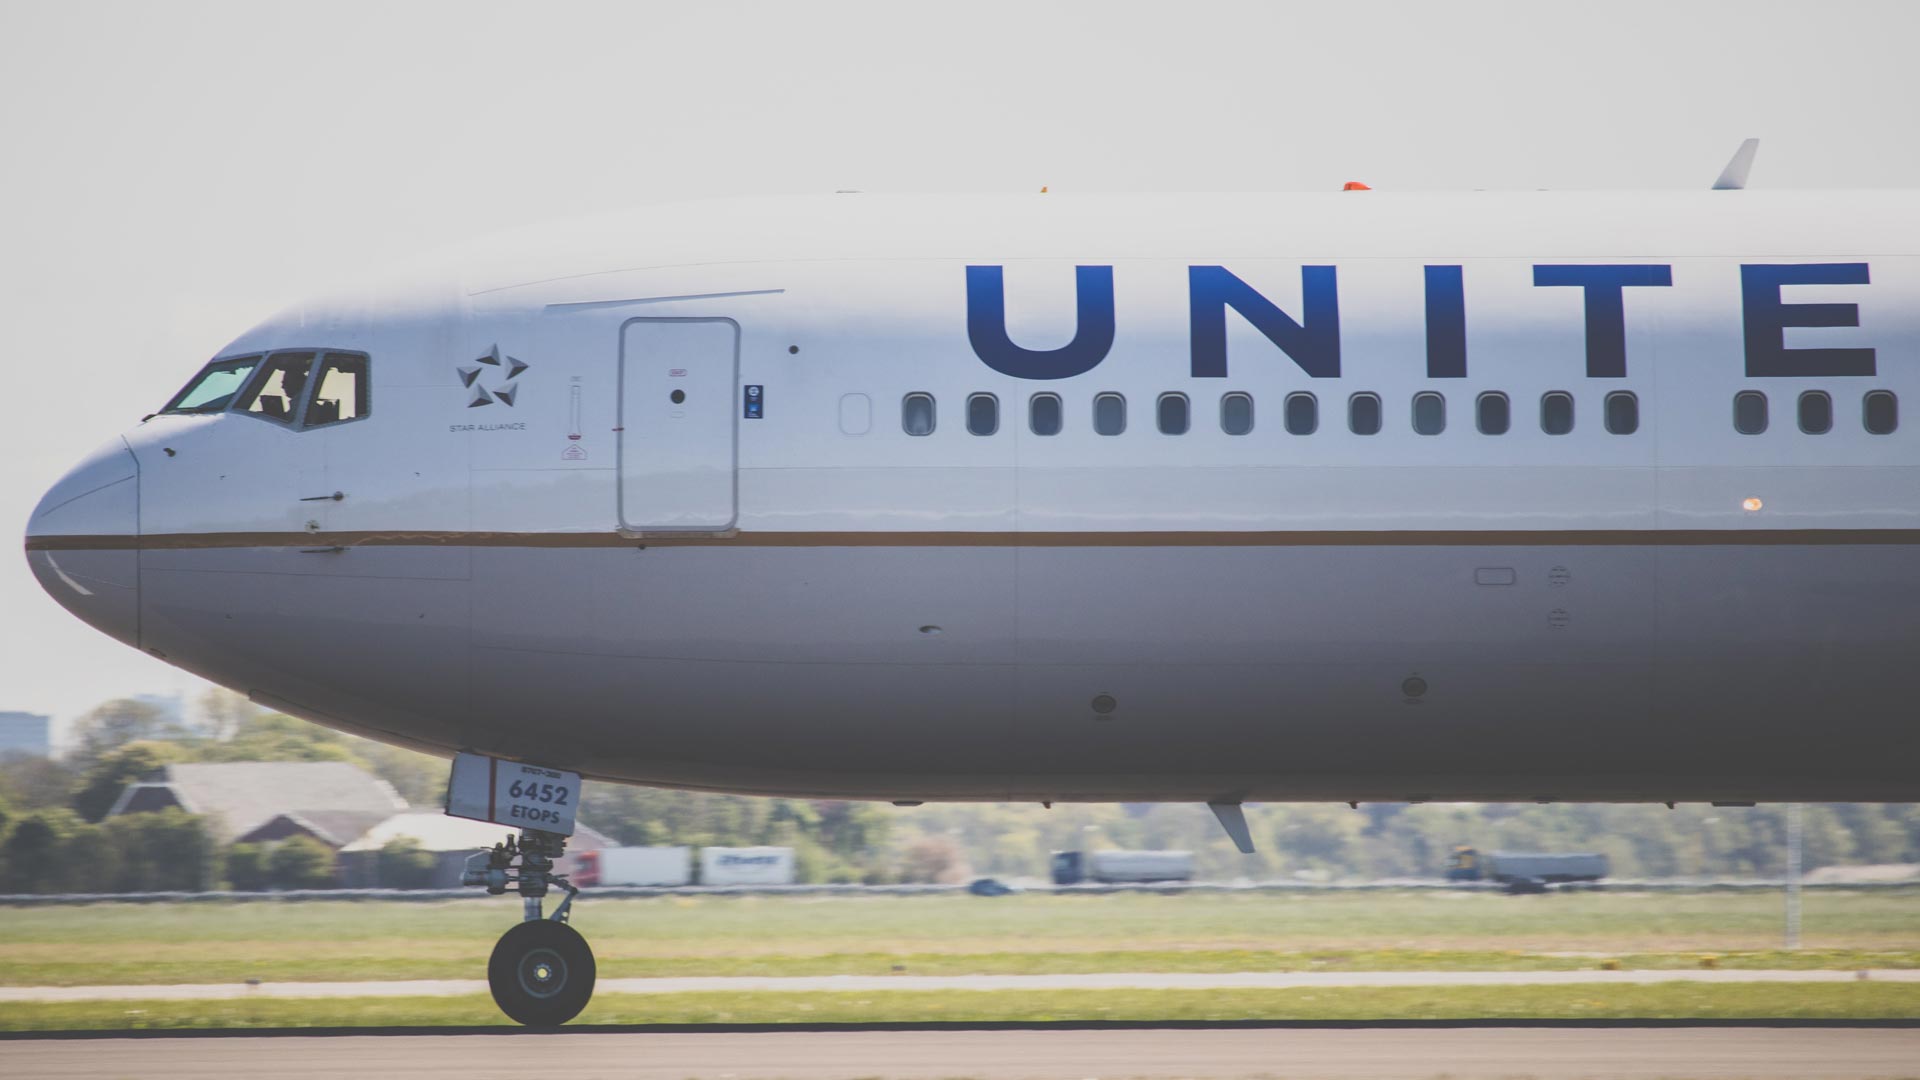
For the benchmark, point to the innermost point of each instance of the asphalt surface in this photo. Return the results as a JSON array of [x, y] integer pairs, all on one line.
[[814, 984], [1343, 1054]]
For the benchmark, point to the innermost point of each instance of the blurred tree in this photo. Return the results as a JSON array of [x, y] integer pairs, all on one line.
[[31, 782], [223, 712], [115, 724], [854, 829], [937, 860], [421, 779], [277, 737], [90, 862], [101, 785], [36, 851], [247, 868], [167, 851], [402, 864], [300, 862]]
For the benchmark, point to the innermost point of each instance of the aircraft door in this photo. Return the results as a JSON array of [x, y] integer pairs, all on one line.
[[677, 400]]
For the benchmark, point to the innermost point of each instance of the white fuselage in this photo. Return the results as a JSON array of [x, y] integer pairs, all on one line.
[[529, 546]]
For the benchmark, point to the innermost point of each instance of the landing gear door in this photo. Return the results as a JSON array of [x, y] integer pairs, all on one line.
[[678, 402]]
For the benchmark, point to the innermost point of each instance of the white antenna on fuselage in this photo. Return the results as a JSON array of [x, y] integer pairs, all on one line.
[[1734, 176]]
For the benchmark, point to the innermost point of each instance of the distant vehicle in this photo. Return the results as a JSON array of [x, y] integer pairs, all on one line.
[[987, 886], [1523, 872], [659, 866], [746, 866], [1121, 867]]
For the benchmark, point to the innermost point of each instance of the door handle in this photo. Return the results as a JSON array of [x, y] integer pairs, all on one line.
[[335, 497]]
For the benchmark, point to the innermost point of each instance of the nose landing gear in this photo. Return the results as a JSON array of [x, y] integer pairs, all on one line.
[[541, 971]]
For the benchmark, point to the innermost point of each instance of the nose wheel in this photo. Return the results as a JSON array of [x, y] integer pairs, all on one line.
[[541, 973]]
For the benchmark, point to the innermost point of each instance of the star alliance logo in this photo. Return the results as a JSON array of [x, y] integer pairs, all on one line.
[[505, 391]]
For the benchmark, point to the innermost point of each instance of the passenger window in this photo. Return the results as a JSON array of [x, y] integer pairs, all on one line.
[[983, 414], [1429, 413], [1622, 413], [1236, 413], [341, 393], [916, 414], [1043, 414], [1881, 412], [277, 387], [212, 390], [1749, 412], [1363, 414], [1109, 414], [1172, 414], [1556, 412], [1493, 413], [1816, 412], [1302, 413]]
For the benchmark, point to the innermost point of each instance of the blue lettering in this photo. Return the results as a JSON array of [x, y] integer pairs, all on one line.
[[1314, 344], [1092, 335], [1446, 323], [1766, 320], [1606, 309]]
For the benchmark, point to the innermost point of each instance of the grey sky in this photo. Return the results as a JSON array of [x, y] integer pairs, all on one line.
[[175, 172]]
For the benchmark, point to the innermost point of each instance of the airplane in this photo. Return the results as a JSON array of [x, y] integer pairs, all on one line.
[[1355, 495]]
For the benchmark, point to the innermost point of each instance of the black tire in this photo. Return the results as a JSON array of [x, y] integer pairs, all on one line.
[[541, 973]]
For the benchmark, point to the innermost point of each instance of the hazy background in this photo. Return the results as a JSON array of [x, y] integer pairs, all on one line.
[[175, 172]]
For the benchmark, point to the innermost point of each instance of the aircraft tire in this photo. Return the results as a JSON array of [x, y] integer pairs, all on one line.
[[541, 973]]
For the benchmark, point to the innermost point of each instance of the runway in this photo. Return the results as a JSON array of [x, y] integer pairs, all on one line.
[[1322, 1054], [868, 984]]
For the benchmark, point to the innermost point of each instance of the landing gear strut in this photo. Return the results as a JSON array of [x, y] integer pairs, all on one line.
[[541, 972]]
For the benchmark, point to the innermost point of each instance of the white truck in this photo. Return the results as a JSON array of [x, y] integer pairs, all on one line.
[[746, 866], [1121, 867], [1527, 872], [657, 866]]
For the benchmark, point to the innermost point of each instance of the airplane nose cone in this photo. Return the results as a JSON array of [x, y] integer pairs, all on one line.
[[82, 542]]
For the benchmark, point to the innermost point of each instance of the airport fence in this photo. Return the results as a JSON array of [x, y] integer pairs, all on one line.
[[1676, 885]]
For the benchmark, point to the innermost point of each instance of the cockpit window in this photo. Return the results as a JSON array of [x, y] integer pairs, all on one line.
[[298, 386], [212, 390], [341, 393], [276, 389]]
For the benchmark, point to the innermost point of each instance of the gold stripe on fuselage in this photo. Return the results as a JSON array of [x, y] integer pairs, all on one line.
[[1227, 538]]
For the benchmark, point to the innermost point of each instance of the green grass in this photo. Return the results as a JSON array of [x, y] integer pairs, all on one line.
[[324, 941], [1656, 1001]]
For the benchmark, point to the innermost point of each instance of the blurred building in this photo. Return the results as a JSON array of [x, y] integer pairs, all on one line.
[[449, 840], [253, 801], [26, 733]]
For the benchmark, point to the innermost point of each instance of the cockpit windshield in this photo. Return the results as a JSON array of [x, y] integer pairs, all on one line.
[[298, 388], [212, 390]]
